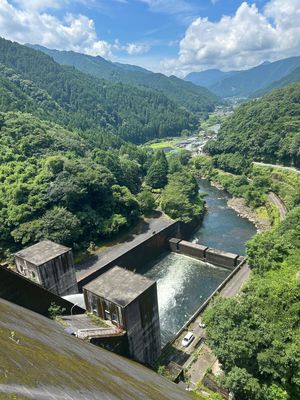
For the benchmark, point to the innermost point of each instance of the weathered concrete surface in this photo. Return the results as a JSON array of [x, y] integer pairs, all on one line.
[[192, 249], [138, 249], [22, 291], [39, 361], [198, 369], [235, 284], [174, 243], [204, 253], [220, 257]]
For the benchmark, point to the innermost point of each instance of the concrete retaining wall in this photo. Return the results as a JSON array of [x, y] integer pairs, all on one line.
[[204, 253], [141, 254], [23, 292]]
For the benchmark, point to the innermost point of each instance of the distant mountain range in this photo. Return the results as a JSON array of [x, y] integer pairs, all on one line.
[[31, 81], [209, 77], [293, 77], [185, 94], [254, 81]]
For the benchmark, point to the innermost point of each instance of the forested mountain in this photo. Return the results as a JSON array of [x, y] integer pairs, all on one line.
[[267, 129], [54, 184], [185, 94], [245, 83], [76, 100], [293, 77], [209, 77]]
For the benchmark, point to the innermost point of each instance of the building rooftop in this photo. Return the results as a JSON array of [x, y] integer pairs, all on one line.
[[119, 285], [42, 252]]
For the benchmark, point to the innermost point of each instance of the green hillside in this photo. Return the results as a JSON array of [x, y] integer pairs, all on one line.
[[293, 77], [185, 94], [267, 129], [81, 101], [54, 184], [245, 83]]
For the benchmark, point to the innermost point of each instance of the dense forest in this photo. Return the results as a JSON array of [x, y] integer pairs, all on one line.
[[256, 335], [185, 94], [267, 130], [32, 81], [57, 185]]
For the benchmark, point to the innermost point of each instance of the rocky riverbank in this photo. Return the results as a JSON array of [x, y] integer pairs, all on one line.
[[244, 211], [239, 205]]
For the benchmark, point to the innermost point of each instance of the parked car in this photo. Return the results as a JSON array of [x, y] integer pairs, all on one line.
[[187, 340]]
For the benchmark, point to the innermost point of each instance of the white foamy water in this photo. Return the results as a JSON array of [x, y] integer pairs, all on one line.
[[183, 284]]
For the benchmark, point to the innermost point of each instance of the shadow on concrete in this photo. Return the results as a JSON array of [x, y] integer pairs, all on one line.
[[172, 353]]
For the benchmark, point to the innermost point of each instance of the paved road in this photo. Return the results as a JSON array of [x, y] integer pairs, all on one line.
[[273, 198], [235, 284], [205, 357], [278, 166], [142, 232]]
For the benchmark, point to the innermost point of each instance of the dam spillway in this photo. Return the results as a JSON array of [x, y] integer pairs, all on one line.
[[183, 284]]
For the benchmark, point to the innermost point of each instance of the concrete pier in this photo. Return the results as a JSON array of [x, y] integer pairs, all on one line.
[[204, 253]]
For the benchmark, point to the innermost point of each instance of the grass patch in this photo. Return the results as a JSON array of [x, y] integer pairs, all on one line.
[[97, 320]]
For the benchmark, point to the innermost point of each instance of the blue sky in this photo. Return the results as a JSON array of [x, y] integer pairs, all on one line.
[[171, 36]]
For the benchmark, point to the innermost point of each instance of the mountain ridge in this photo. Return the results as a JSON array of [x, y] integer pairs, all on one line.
[[85, 102], [245, 83], [208, 77], [185, 94]]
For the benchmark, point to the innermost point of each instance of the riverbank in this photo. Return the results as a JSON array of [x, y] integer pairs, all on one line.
[[243, 210], [239, 205]]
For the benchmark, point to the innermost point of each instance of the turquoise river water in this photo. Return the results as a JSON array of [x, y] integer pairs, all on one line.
[[184, 283]]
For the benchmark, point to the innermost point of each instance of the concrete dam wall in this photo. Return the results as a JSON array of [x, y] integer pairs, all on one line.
[[204, 253], [135, 257]]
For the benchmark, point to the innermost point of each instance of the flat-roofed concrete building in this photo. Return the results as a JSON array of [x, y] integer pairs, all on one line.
[[49, 264], [129, 300]]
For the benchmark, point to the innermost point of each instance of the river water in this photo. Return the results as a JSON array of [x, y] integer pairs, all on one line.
[[183, 283], [222, 228]]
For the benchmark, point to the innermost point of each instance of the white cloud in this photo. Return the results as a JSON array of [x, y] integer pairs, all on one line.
[[135, 48], [30, 26], [239, 41]]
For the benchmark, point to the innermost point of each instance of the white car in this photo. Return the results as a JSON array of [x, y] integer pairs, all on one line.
[[189, 337]]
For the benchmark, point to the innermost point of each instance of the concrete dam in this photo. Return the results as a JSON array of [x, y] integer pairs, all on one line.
[[181, 275]]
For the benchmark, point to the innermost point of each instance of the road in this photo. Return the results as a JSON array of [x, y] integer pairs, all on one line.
[[273, 198], [278, 166], [236, 283], [185, 356], [143, 231]]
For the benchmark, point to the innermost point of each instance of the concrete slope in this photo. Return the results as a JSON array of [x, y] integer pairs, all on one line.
[[39, 361]]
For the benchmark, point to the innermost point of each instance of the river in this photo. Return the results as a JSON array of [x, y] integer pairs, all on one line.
[[184, 283], [222, 228]]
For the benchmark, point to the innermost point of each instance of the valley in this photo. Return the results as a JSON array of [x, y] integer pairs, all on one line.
[[113, 161]]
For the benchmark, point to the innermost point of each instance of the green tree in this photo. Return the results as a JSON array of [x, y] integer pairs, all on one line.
[[146, 200]]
